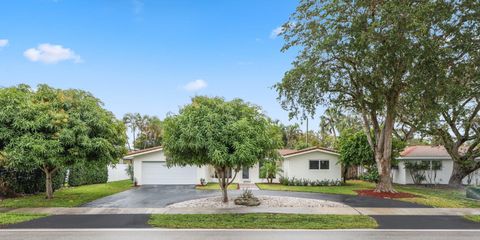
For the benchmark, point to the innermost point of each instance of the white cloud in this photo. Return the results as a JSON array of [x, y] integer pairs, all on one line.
[[195, 85], [3, 42], [48, 53], [275, 32]]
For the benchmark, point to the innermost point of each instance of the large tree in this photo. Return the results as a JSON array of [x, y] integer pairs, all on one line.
[[226, 135], [50, 129], [365, 56]]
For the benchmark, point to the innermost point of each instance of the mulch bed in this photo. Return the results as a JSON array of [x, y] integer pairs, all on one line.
[[372, 193]]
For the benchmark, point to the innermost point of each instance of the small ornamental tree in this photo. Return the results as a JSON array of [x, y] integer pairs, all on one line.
[[51, 129], [227, 135]]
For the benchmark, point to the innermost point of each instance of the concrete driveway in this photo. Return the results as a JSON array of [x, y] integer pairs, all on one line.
[[162, 195], [157, 196]]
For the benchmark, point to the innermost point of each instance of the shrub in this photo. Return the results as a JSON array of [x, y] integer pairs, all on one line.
[[14, 182], [87, 173], [371, 175], [306, 182], [417, 170]]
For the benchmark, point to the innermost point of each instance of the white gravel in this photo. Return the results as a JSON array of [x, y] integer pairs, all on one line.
[[265, 201]]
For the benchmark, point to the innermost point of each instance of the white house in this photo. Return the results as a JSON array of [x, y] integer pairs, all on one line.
[[149, 167], [428, 153]]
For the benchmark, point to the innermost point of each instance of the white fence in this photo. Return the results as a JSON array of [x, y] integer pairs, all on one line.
[[117, 172]]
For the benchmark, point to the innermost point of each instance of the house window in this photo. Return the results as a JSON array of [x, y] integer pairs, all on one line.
[[324, 164], [313, 164], [318, 164]]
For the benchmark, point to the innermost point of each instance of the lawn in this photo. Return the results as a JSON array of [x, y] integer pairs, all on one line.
[[474, 218], [69, 196], [440, 197], [216, 186], [348, 188], [11, 218], [262, 221]]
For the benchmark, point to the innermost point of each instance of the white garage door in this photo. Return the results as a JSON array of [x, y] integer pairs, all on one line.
[[159, 173]]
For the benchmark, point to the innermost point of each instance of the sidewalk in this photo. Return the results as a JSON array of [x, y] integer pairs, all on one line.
[[341, 210]]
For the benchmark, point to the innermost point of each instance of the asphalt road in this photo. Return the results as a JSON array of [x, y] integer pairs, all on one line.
[[137, 234]]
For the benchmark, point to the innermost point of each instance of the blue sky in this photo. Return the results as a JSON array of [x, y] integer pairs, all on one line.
[[148, 56]]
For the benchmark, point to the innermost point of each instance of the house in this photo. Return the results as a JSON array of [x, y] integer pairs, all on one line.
[[149, 167], [431, 154]]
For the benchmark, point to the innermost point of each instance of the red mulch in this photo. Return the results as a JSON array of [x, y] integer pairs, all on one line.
[[371, 193]]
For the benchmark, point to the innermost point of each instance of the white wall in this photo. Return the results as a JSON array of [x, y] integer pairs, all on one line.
[[402, 176], [117, 172], [298, 166], [254, 175]]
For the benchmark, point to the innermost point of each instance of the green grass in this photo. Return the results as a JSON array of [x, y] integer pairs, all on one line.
[[262, 221], [216, 186], [345, 189], [11, 218], [474, 218], [68, 197], [440, 197]]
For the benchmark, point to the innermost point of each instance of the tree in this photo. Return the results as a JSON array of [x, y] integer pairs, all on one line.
[[227, 135], [355, 150], [151, 132], [270, 170], [52, 128], [365, 56], [131, 121]]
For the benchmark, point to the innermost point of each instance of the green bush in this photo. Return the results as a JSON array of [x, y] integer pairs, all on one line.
[[371, 175], [306, 182], [14, 182], [473, 193], [87, 173]]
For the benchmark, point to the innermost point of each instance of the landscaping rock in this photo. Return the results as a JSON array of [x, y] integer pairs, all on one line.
[[249, 202], [473, 192]]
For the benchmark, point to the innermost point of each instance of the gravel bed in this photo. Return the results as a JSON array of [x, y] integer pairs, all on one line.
[[266, 201]]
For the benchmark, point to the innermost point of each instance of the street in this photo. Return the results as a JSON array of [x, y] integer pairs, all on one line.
[[137, 234]]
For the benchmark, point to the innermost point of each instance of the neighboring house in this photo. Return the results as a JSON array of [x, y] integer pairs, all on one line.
[[428, 153], [149, 167]]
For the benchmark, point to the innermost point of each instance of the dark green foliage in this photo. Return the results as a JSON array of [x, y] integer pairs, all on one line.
[[13, 182], [371, 175], [306, 182], [417, 170], [473, 192], [88, 173]]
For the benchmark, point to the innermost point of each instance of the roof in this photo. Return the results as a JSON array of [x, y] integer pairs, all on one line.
[[424, 151], [291, 152], [284, 152], [143, 151]]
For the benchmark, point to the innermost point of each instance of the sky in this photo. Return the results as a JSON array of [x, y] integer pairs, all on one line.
[[149, 56]]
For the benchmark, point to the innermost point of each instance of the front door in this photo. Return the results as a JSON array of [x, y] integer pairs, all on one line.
[[245, 173]]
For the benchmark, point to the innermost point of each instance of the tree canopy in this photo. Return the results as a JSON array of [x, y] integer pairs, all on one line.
[[374, 58], [227, 135], [50, 128]]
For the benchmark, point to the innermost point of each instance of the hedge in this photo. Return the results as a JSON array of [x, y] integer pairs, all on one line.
[[87, 173], [13, 182]]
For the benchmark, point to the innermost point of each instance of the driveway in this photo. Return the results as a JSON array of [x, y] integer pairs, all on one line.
[[151, 197], [163, 195]]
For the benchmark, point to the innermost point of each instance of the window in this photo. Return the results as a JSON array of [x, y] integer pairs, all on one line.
[[313, 164], [324, 164], [318, 164]]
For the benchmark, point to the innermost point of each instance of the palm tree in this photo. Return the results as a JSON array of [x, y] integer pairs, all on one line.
[[270, 170]]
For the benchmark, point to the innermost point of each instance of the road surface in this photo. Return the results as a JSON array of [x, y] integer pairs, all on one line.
[[151, 234]]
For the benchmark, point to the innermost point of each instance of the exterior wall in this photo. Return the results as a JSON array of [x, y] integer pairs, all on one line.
[[254, 175], [402, 176], [117, 172], [298, 166]]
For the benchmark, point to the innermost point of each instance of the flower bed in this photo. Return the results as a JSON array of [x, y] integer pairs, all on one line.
[[372, 193]]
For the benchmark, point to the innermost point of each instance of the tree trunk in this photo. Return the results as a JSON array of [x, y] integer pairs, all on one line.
[[223, 182], [383, 154], [48, 184], [458, 173]]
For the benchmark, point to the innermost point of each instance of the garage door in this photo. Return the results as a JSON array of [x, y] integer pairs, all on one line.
[[158, 173]]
